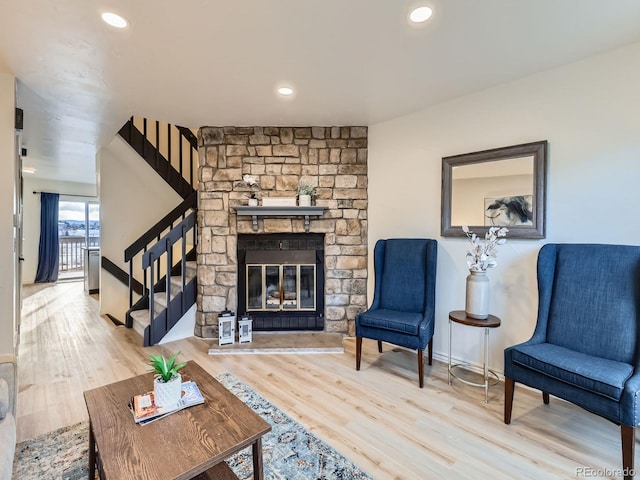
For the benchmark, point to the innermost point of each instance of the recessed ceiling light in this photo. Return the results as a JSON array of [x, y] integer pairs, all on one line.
[[286, 91], [29, 170], [420, 14], [114, 20]]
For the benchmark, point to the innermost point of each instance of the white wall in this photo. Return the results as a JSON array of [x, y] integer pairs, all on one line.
[[588, 111], [133, 199], [7, 209], [31, 215]]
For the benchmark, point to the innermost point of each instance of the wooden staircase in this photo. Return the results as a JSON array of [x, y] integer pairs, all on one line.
[[162, 260], [140, 318]]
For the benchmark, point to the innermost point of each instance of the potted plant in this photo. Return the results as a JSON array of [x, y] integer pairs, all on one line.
[[167, 383], [305, 192], [253, 183]]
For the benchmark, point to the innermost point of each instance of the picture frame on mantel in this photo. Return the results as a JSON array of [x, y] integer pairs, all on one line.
[[506, 172]]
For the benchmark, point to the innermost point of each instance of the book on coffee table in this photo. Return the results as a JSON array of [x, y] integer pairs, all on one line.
[[145, 411]]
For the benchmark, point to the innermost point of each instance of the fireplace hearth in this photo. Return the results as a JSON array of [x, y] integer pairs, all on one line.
[[281, 281]]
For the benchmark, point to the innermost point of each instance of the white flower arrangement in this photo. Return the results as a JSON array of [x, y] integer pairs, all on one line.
[[483, 255], [306, 189], [253, 183]]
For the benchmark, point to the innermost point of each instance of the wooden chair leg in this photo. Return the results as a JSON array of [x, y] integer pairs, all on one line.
[[628, 435], [509, 386], [545, 398], [358, 352], [420, 369], [430, 351], [379, 346]]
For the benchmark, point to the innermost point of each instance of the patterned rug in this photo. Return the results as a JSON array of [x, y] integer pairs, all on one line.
[[290, 452]]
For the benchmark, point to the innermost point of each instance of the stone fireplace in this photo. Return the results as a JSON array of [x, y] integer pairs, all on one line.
[[281, 280], [334, 160]]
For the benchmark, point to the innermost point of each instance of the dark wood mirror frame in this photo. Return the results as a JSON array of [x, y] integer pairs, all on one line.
[[536, 149]]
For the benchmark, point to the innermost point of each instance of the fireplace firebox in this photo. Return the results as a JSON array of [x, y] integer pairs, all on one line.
[[281, 281]]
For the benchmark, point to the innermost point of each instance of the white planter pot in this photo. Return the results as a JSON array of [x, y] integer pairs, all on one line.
[[304, 200], [477, 302], [253, 202], [167, 393]]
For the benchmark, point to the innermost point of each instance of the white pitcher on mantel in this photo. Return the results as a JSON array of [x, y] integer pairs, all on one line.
[[304, 200], [477, 302]]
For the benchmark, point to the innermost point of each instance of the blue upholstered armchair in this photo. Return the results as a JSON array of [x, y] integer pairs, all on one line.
[[403, 308], [585, 347]]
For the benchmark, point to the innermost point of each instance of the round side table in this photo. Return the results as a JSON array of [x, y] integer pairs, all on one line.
[[460, 316]]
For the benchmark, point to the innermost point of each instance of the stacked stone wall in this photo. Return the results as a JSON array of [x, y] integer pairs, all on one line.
[[333, 159]]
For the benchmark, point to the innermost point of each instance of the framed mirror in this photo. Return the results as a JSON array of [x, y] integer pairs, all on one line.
[[498, 187]]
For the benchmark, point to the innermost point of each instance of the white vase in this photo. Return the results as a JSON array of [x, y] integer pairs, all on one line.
[[253, 202], [304, 200], [477, 302], [167, 393]]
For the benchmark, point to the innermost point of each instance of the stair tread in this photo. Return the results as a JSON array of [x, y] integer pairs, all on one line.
[[177, 279], [140, 320], [160, 298], [140, 313]]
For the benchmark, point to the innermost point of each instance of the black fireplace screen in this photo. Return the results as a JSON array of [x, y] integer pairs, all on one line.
[[281, 281], [281, 287]]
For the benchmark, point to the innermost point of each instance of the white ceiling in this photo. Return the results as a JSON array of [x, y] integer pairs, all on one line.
[[206, 62]]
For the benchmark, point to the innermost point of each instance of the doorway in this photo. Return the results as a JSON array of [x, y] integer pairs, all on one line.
[[78, 229]]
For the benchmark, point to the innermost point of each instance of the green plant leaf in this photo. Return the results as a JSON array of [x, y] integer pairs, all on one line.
[[164, 368]]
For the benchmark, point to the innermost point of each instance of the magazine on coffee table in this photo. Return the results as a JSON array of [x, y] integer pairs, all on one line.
[[145, 411]]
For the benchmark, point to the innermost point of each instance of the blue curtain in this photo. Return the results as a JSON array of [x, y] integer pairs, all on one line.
[[49, 249]]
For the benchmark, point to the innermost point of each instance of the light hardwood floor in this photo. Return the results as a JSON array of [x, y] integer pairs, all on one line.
[[377, 417]]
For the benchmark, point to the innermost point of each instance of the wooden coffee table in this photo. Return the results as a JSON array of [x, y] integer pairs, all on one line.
[[192, 443]]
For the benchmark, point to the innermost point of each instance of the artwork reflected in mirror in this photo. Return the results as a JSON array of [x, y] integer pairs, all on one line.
[[508, 211], [499, 187]]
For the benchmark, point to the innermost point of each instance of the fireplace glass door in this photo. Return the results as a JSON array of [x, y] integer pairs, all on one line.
[[281, 287]]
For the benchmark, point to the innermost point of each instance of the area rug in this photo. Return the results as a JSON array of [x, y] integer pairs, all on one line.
[[290, 452]]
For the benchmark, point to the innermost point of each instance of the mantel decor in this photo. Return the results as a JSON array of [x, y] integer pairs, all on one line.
[[279, 211], [502, 187]]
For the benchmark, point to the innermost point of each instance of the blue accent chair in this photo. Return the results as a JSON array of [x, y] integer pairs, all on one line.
[[586, 346], [403, 308]]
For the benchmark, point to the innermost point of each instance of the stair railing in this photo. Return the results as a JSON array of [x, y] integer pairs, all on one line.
[[172, 151], [161, 254], [154, 236], [178, 145]]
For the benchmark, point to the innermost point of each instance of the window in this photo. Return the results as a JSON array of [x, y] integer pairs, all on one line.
[[78, 227]]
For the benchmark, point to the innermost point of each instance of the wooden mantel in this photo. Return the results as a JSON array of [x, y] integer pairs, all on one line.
[[279, 211]]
